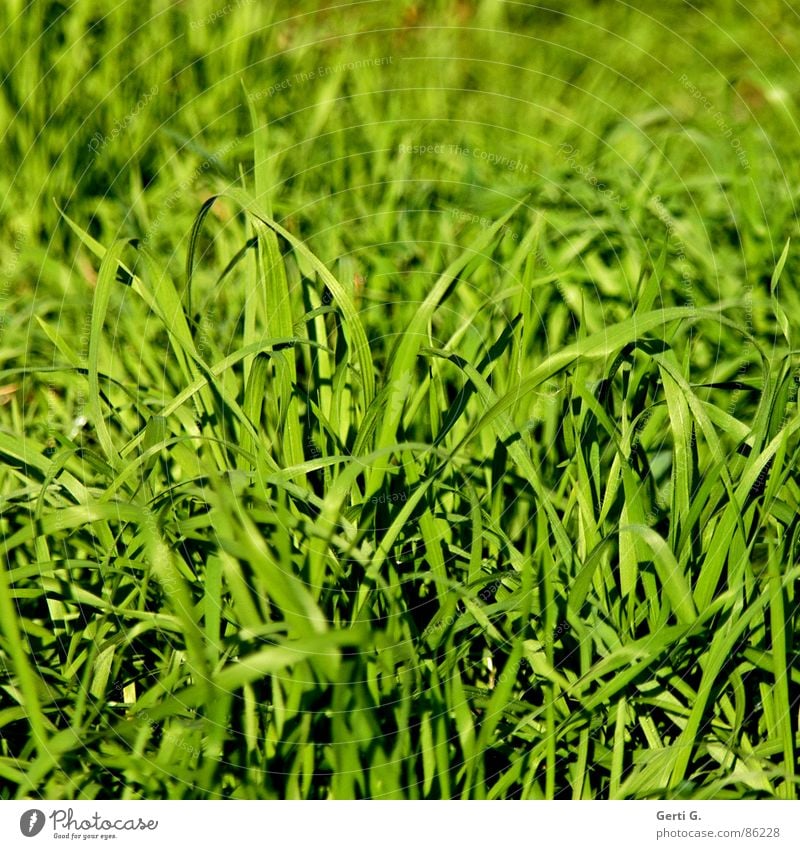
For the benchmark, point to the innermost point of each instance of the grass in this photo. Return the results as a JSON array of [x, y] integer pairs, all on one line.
[[334, 468]]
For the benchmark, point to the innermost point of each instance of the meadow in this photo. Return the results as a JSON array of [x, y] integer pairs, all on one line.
[[399, 400]]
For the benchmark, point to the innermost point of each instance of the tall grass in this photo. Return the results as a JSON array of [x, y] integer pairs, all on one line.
[[426, 486]]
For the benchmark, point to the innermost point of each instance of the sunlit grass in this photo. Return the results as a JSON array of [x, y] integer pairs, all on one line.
[[334, 470]]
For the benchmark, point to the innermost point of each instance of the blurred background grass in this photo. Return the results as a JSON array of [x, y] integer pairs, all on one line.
[[128, 116], [516, 80]]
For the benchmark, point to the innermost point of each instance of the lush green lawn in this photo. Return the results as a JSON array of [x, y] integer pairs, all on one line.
[[399, 401]]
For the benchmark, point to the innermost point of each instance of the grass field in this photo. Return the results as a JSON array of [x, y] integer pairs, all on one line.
[[399, 400]]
